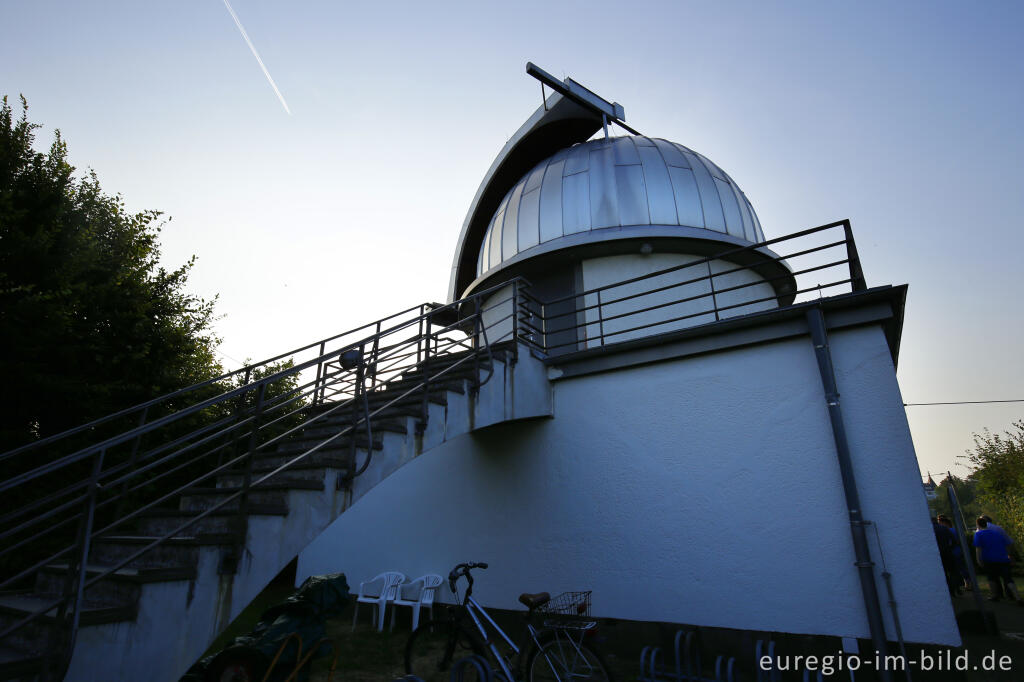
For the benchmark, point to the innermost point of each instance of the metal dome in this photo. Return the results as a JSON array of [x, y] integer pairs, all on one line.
[[621, 182]]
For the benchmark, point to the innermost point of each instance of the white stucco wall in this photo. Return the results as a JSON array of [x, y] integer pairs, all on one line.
[[703, 490], [599, 272]]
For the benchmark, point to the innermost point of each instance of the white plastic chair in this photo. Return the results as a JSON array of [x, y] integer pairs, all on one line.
[[379, 591], [417, 594]]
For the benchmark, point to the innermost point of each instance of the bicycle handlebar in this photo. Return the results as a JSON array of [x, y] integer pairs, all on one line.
[[462, 570]]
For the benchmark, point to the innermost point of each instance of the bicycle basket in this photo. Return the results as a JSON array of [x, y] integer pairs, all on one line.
[[569, 604]]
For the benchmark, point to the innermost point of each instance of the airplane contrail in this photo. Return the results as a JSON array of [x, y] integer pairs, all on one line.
[[257, 55]]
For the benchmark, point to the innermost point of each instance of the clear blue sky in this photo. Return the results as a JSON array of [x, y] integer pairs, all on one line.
[[904, 117]]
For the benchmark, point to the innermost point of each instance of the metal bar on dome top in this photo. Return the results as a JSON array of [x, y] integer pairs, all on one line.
[[582, 96]]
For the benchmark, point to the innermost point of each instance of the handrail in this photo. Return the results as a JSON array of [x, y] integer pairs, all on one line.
[[188, 389], [590, 310]]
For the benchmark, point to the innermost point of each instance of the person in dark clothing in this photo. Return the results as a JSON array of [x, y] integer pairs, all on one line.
[[946, 540], [959, 560]]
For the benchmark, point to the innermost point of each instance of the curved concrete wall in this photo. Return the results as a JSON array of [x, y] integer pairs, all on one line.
[[702, 490]]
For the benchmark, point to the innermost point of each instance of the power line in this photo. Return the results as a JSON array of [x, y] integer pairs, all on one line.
[[914, 405]]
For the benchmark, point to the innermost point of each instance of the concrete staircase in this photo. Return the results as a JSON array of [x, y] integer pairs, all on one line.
[[153, 618]]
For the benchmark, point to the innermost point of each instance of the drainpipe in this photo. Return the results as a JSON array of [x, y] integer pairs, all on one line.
[[865, 567]]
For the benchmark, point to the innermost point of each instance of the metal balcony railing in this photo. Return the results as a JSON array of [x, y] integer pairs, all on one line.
[[705, 290]]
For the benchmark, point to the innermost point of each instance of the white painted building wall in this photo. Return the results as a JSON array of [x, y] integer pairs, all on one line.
[[701, 490]]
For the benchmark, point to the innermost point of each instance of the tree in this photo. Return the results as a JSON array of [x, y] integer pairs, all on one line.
[[998, 462], [966, 492], [90, 322]]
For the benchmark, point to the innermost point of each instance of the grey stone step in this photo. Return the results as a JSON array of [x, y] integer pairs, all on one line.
[[163, 521], [438, 396], [338, 445], [332, 423], [317, 460], [293, 479], [19, 664], [453, 374], [31, 639], [171, 553], [117, 589], [201, 499]]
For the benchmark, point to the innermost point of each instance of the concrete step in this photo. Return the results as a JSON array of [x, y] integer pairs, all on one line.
[[117, 589], [271, 492], [19, 664], [171, 553], [317, 460], [332, 423], [162, 521], [30, 640], [293, 479], [202, 498], [338, 445], [453, 374], [303, 471]]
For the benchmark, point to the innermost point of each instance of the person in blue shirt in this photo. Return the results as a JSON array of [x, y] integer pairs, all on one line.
[[993, 550]]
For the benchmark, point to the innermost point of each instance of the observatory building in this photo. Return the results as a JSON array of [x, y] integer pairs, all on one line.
[[712, 434], [632, 389]]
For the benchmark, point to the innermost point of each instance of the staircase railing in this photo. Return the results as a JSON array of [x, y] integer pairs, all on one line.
[[70, 490]]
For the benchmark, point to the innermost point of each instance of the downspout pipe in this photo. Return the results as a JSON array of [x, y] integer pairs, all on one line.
[[865, 566]]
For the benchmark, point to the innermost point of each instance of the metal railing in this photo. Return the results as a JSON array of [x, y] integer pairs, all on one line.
[[75, 488], [727, 284]]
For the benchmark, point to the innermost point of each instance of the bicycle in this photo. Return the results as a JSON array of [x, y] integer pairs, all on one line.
[[556, 652]]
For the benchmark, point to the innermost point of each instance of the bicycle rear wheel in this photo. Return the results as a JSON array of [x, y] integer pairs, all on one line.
[[437, 645], [564, 658]]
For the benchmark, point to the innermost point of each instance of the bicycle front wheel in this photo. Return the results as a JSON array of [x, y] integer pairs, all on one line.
[[436, 646], [563, 658]]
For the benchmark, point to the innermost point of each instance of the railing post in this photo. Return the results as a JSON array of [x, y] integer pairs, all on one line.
[[321, 377], [515, 321], [543, 311], [371, 364], [600, 317], [132, 463], [714, 299], [515, 310], [421, 426], [856, 273], [357, 393], [419, 335], [242, 519], [239, 413], [62, 643], [475, 388]]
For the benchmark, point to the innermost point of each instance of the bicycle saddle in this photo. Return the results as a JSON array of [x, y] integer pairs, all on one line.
[[532, 601]]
